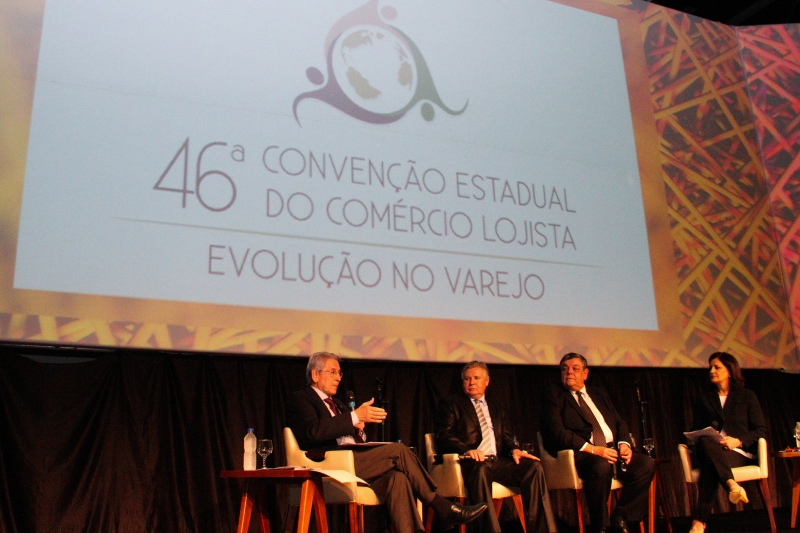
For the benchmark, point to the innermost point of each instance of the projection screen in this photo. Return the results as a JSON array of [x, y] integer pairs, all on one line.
[[398, 180]]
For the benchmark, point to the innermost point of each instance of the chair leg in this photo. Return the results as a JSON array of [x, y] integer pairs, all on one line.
[[429, 519], [579, 506], [463, 527], [517, 499], [353, 517], [498, 506], [765, 495]]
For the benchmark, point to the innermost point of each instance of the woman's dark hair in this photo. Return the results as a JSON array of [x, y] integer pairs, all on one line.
[[730, 362]]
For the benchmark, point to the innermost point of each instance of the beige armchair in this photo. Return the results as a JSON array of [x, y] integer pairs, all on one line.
[[450, 483], [351, 494], [561, 473], [759, 472]]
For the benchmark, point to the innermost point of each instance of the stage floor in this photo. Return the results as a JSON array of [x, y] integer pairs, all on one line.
[[735, 522]]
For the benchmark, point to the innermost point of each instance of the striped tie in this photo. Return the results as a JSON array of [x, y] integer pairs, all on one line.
[[486, 442]]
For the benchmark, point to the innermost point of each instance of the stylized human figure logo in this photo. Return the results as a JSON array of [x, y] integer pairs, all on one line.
[[376, 74]]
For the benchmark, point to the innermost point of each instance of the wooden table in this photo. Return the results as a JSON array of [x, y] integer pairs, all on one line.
[[311, 497], [795, 481], [657, 489]]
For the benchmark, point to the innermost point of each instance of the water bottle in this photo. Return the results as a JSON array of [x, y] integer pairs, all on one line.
[[250, 450], [797, 435]]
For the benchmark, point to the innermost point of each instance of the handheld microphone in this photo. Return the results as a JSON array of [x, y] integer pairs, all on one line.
[[351, 400]]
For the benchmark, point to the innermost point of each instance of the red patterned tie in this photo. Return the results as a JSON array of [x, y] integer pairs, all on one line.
[[358, 436], [332, 405]]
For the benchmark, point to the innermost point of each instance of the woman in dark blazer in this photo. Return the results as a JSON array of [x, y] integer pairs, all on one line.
[[735, 412]]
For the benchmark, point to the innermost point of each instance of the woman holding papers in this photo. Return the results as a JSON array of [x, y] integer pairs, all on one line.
[[735, 413]]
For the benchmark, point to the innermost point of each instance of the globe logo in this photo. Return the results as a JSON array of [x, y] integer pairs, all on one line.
[[374, 72], [375, 69]]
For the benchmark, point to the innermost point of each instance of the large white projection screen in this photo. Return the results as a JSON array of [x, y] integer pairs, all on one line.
[[377, 175]]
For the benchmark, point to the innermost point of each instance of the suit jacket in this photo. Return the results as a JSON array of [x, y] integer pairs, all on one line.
[[458, 429], [740, 418], [312, 424], [564, 425]]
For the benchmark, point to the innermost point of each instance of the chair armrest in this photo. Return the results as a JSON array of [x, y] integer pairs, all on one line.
[[339, 460], [560, 471], [331, 460], [763, 458], [448, 476], [686, 462]]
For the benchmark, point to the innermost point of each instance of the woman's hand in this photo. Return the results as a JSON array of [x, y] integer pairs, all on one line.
[[729, 443]]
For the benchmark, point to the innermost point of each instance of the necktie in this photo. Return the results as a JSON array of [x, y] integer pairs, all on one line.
[[359, 437], [332, 405], [598, 438], [486, 441]]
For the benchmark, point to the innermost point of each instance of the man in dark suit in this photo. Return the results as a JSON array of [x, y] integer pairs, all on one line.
[[467, 424], [321, 422], [583, 419]]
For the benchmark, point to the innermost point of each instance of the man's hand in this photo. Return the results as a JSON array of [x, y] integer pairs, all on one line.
[[625, 452], [476, 455], [372, 415], [609, 454], [729, 443], [516, 454]]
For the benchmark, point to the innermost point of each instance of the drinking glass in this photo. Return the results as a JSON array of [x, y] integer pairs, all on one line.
[[649, 445], [528, 448], [264, 449]]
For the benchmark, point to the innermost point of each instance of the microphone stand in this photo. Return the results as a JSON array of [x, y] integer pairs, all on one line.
[[643, 412], [383, 433]]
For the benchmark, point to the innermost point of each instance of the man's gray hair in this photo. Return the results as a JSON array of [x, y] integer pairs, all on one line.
[[317, 362], [573, 355], [474, 364]]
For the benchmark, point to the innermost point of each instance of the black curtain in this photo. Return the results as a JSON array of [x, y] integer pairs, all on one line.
[[134, 441]]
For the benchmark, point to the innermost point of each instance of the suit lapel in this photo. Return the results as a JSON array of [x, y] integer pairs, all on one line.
[[320, 403], [572, 402], [716, 403], [469, 410]]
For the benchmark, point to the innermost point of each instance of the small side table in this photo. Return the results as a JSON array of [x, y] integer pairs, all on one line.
[[795, 481], [311, 497]]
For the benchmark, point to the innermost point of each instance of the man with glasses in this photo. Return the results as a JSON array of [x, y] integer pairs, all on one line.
[[321, 422], [471, 426], [583, 418]]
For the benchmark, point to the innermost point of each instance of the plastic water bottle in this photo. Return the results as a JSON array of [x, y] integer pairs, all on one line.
[[797, 435], [250, 450]]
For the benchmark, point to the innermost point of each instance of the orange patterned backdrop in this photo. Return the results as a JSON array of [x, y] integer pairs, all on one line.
[[771, 56], [728, 261]]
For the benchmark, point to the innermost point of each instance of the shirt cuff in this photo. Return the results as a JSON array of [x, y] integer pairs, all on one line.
[[354, 417]]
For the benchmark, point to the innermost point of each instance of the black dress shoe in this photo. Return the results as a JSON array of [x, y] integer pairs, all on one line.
[[459, 514], [618, 525]]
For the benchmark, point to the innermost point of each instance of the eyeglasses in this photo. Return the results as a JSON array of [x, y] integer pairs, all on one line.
[[333, 373]]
